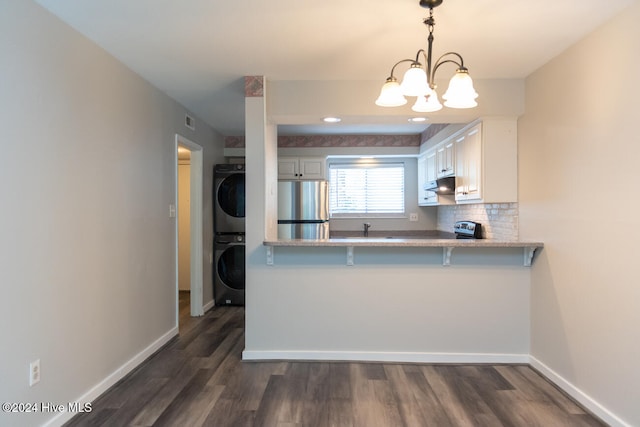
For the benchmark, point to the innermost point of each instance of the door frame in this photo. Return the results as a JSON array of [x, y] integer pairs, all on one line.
[[195, 219]]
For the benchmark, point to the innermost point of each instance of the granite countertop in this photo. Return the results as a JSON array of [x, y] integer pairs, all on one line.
[[426, 238], [407, 239]]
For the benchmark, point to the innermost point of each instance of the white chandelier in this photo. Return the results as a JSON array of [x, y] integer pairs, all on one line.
[[420, 82]]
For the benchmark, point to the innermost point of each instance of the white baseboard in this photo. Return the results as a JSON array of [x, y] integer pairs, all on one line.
[[398, 357], [585, 400], [208, 306], [360, 356], [114, 377]]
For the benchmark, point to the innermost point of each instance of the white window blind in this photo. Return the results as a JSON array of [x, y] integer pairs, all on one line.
[[366, 189]]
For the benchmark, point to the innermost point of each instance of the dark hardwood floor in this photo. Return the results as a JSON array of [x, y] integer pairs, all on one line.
[[199, 379]]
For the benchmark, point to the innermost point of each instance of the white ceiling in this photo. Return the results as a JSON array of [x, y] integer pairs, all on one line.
[[198, 51]]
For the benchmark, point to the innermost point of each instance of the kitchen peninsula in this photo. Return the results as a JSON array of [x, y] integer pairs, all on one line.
[[447, 245], [390, 299], [396, 301]]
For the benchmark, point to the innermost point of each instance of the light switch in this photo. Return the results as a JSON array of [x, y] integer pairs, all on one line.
[[172, 211]]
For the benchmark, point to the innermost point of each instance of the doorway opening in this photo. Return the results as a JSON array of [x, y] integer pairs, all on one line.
[[188, 230]]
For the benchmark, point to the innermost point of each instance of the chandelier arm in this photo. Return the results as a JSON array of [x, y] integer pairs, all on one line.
[[398, 63], [424, 54], [460, 64], [440, 62]]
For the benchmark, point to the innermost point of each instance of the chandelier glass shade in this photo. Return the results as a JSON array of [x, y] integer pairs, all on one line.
[[419, 81], [427, 104], [391, 94], [414, 82], [460, 93]]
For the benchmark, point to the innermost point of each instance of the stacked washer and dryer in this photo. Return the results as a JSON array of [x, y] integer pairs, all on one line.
[[229, 234]]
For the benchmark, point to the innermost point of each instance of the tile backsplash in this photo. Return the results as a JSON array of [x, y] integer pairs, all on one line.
[[499, 220]]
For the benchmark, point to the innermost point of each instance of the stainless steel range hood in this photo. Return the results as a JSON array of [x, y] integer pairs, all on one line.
[[446, 185]]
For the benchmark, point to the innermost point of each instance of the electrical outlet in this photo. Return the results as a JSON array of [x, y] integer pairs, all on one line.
[[34, 373], [413, 217]]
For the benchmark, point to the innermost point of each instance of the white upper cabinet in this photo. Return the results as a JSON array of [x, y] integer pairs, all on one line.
[[431, 165], [486, 166], [421, 179], [428, 171], [303, 168], [469, 164], [445, 159]]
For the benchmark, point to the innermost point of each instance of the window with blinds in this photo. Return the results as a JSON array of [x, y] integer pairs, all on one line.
[[366, 190]]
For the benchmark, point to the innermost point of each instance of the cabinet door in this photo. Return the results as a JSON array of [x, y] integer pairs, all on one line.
[[445, 163], [431, 168], [312, 168], [288, 168], [468, 149], [429, 198], [461, 167], [473, 151], [421, 179]]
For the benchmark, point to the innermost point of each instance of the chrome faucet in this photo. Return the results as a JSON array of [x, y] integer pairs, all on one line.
[[366, 225]]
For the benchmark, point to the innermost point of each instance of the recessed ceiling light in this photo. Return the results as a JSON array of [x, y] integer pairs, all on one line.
[[332, 119], [417, 119]]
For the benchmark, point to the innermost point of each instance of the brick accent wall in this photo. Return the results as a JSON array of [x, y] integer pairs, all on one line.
[[499, 220]]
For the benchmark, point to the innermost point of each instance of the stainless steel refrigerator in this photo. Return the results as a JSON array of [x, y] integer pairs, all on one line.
[[303, 209]]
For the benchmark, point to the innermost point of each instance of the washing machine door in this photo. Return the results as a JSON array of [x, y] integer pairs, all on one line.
[[231, 267], [230, 203]]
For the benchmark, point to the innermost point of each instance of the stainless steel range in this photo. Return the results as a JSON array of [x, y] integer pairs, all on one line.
[[468, 230]]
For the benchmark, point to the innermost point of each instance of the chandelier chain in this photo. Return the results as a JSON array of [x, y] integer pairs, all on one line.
[[430, 21]]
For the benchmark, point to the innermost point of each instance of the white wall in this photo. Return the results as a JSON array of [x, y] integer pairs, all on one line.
[[86, 178], [579, 173]]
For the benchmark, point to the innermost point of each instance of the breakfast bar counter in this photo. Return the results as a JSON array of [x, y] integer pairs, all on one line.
[[428, 239]]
